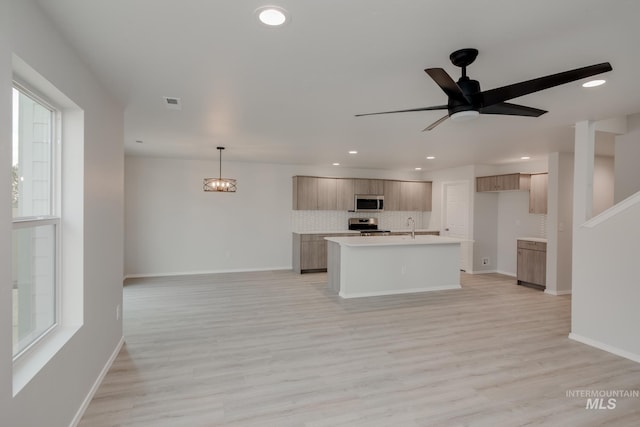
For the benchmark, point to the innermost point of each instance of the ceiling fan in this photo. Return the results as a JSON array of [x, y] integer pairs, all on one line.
[[467, 101]]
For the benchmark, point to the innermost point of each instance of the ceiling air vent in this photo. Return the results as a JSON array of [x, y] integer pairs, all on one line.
[[172, 103]]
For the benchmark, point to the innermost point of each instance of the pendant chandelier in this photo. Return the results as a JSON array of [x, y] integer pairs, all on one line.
[[220, 184]]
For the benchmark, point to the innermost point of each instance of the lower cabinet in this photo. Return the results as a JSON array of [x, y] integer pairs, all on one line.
[[532, 263], [310, 250]]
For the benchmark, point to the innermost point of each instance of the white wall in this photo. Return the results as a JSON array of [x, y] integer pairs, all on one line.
[[486, 226], [514, 222], [604, 310], [627, 153], [603, 183], [174, 227], [56, 393]]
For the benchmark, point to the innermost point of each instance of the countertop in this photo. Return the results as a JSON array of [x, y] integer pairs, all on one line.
[[393, 240], [533, 239], [357, 232]]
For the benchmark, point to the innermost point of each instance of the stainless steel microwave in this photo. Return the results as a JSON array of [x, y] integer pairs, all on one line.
[[369, 203]]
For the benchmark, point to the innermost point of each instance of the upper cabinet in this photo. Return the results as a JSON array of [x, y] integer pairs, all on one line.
[[319, 193], [508, 182], [414, 196], [314, 193], [346, 192], [536, 184], [369, 186], [392, 195], [538, 193]]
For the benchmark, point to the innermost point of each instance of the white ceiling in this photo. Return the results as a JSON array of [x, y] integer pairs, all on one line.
[[289, 94]]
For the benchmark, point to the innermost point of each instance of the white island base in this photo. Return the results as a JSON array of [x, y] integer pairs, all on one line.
[[386, 265]]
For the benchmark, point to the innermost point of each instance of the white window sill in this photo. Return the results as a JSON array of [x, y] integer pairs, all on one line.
[[30, 363]]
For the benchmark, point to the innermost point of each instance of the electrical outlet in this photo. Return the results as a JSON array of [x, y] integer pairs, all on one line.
[[118, 312], [485, 261]]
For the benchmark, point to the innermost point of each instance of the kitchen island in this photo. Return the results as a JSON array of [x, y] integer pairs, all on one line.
[[385, 265]]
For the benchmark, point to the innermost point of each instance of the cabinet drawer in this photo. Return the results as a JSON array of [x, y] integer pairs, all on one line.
[[535, 246]]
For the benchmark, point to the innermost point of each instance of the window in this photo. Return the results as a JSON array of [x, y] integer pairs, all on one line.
[[36, 219]]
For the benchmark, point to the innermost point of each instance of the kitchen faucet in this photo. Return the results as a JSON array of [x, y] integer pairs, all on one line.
[[413, 227]]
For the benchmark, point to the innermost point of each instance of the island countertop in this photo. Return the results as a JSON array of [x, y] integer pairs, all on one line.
[[357, 232], [404, 240], [533, 239]]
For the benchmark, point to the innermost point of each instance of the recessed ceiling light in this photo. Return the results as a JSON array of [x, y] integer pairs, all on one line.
[[430, 157], [418, 169], [272, 16], [336, 164], [594, 83], [353, 152], [525, 158]]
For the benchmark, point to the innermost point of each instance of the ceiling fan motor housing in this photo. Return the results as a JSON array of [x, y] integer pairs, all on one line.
[[469, 89]]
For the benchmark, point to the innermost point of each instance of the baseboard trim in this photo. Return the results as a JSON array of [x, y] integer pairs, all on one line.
[[96, 384], [507, 273], [194, 273], [482, 271], [605, 347], [398, 292], [557, 293]]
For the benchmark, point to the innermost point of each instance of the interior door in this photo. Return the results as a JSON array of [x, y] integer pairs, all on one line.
[[456, 217]]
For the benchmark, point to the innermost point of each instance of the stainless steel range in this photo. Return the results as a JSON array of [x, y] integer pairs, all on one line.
[[367, 227]]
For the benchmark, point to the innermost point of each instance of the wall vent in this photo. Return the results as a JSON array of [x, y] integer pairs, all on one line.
[[172, 103]]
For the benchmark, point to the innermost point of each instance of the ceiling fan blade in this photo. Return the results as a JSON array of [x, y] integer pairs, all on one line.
[[436, 123], [505, 93], [447, 84], [435, 107], [511, 110]]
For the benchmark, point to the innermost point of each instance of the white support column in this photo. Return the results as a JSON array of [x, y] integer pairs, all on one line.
[[583, 172], [552, 225]]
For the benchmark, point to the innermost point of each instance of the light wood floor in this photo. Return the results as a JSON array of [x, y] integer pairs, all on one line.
[[276, 349]]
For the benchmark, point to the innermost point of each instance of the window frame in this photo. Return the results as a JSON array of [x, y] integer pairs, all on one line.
[[54, 217]]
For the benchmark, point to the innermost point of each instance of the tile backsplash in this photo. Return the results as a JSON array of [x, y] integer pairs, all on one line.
[[330, 221]]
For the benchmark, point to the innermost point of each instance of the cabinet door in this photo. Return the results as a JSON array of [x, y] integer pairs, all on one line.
[[428, 196], [327, 194], [411, 197], [369, 186], [532, 266], [305, 193], [392, 195], [538, 193], [313, 255], [376, 186], [507, 182], [346, 194], [361, 186], [485, 183]]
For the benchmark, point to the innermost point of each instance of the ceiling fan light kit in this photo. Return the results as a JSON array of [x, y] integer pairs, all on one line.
[[466, 101], [463, 116]]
